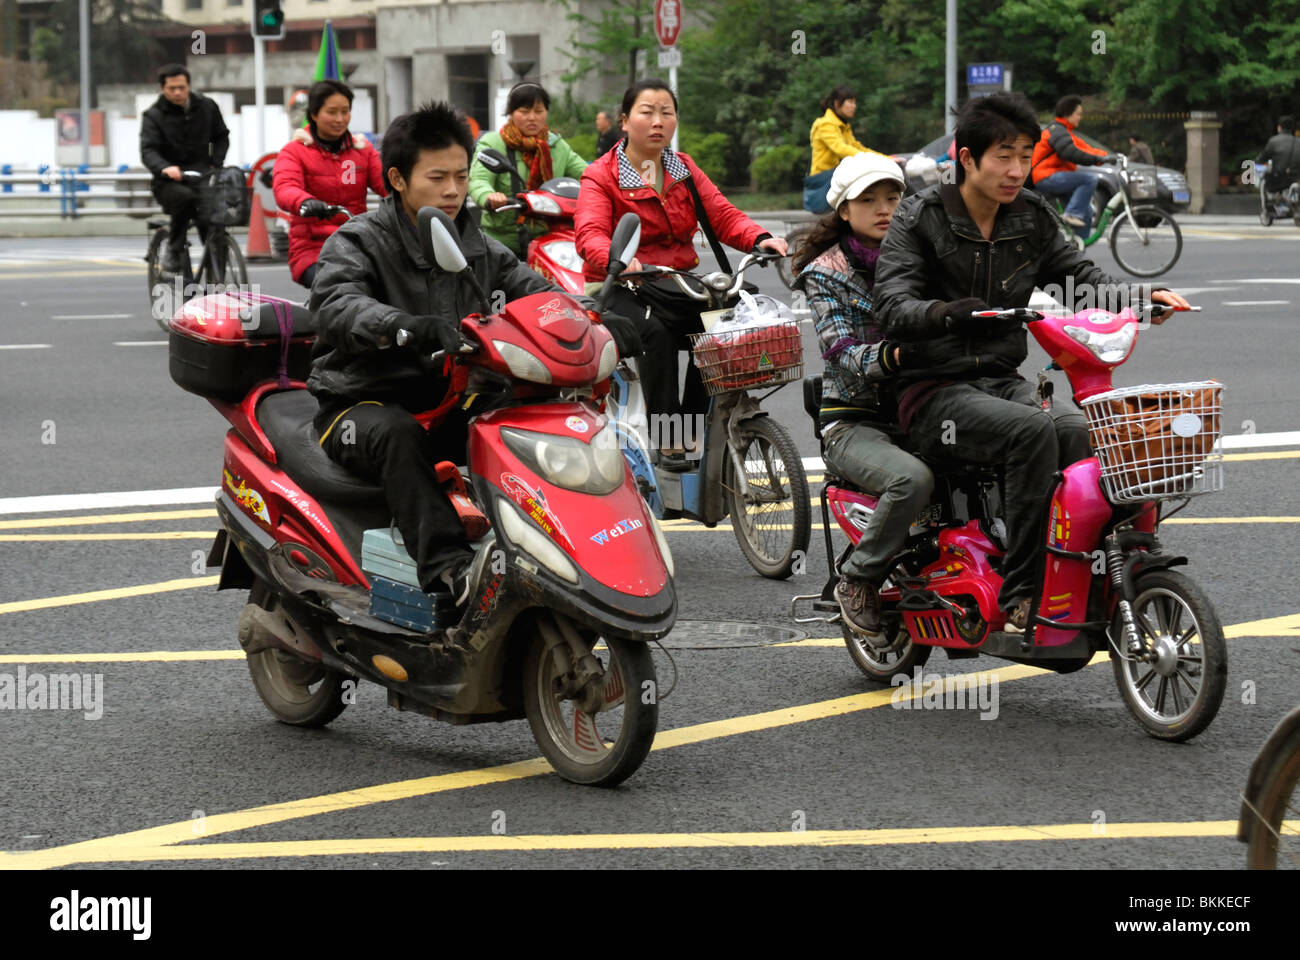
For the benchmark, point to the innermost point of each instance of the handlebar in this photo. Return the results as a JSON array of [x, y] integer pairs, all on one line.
[[716, 283], [1032, 316]]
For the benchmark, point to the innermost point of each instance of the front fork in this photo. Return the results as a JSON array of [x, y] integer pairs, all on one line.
[[584, 677], [1123, 587]]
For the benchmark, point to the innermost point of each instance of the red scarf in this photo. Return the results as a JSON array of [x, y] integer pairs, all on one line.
[[536, 152]]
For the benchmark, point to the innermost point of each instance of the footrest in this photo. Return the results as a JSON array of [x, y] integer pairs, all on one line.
[[823, 611]]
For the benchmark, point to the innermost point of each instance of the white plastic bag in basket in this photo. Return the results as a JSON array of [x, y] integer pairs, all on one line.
[[754, 311]]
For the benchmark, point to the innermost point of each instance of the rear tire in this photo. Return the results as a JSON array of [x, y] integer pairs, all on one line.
[[1277, 805], [882, 665], [1152, 256], [301, 693], [775, 478]]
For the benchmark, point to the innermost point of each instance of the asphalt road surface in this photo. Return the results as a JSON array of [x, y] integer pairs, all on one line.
[[770, 754]]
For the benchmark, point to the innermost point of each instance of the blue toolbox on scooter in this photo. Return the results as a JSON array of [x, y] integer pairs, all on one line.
[[395, 594]]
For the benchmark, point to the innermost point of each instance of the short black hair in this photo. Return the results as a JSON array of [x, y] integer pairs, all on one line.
[[1067, 105], [1135, 136], [321, 91], [172, 70], [434, 126], [525, 94], [837, 96], [1287, 123], [640, 87], [985, 121]]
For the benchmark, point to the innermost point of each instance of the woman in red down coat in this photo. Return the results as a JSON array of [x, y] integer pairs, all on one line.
[[330, 169], [643, 175]]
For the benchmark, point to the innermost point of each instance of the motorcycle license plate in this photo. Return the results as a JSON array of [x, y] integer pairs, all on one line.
[[710, 317], [1182, 196]]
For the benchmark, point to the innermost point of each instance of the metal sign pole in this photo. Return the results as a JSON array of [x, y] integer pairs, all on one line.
[[950, 71], [84, 17], [259, 93], [672, 82]]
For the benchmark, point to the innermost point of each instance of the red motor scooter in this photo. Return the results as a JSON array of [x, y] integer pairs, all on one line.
[[571, 576], [1105, 582], [554, 254]]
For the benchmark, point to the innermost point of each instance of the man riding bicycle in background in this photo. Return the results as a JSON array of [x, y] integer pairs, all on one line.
[[1056, 160], [1283, 148], [183, 130]]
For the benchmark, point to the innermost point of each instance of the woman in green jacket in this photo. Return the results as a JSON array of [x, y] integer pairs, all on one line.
[[539, 156]]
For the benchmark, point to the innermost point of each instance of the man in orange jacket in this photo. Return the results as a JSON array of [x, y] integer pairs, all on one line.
[[1057, 156]]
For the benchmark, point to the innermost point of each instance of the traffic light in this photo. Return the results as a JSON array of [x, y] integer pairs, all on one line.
[[268, 19]]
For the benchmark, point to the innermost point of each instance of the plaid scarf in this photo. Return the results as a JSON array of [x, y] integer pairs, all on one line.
[[536, 152]]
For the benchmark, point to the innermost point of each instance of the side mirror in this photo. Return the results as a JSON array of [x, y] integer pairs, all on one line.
[[625, 242], [438, 240], [493, 160]]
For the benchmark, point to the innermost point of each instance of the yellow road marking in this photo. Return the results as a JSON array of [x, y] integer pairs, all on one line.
[[1287, 626], [80, 537], [1265, 455], [906, 836], [144, 589], [143, 656], [106, 518]]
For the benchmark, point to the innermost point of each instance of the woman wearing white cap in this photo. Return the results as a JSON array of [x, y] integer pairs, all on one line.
[[837, 266]]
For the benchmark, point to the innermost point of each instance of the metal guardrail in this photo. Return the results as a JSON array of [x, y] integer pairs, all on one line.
[[71, 188]]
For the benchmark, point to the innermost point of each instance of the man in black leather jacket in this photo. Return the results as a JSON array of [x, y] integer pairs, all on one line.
[[950, 251], [1283, 148], [182, 130], [372, 282]]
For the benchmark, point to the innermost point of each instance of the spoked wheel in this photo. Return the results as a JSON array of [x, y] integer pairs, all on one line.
[[1265, 211], [601, 747], [1274, 823], [160, 303], [224, 262], [1176, 690], [297, 691], [772, 517], [1146, 241], [881, 659]]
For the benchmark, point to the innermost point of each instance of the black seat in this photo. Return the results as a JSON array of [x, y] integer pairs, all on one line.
[[286, 417], [263, 324]]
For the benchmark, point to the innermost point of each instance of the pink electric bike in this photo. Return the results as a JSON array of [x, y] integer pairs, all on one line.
[[1105, 582]]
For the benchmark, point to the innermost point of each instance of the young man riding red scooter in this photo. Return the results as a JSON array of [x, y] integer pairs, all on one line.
[[376, 394], [955, 249]]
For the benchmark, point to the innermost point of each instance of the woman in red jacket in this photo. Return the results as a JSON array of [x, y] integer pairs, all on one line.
[[329, 170], [643, 175]]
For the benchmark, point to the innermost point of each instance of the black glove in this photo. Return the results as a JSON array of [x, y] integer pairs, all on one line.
[[956, 315], [429, 334], [626, 338], [313, 208]]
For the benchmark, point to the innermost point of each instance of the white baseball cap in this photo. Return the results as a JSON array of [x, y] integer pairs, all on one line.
[[856, 173]]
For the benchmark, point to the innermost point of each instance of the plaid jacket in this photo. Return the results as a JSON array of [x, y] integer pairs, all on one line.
[[857, 381]]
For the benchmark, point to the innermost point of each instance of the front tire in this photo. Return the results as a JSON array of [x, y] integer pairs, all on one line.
[[154, 275], [568, 736], [1177, 695], [1145, 241], [1276, 827], [776, 482]]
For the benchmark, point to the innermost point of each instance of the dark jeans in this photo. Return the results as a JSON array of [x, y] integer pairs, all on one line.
[[181, 201], [664, 333], [386, 445], [997, 421], [866, 456]]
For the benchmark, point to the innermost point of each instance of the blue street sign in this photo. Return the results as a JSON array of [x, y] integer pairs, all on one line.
[[984, 74]]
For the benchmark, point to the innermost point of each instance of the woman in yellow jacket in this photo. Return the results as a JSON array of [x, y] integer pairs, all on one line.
[[832, 140]]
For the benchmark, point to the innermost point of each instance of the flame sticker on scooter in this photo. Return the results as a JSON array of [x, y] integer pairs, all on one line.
[[534, 503], [627, 525], [553, 311], [247, 497]]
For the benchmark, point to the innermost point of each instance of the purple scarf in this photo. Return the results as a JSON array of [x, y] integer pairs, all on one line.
[[865, 255]]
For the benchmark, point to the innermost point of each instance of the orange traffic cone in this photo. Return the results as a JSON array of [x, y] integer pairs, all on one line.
[[259, 242]]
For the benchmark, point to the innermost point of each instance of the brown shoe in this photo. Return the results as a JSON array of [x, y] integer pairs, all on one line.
[[859, 604], [1018, 617]]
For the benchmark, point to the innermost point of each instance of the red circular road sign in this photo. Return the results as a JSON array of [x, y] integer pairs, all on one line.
[[668, 21]]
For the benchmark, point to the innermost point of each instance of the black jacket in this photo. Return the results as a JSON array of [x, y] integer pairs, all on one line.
[[193, 137], [372, 277], [1284, 150], [605, 141], [934, 253]]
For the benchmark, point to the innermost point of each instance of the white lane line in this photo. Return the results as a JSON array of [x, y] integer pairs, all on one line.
[[93, 316], [1238, 441], [1261, 280], [139, 343], [25, 346], [1254, 303], [99, 501]]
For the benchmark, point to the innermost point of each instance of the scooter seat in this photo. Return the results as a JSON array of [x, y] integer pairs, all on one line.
[[263, 325], [286, 417]]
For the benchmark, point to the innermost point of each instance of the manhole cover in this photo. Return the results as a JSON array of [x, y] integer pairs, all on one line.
[[724, 634]]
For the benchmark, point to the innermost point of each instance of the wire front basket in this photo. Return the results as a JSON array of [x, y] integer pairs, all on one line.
[[1157, 441], [743, 359]]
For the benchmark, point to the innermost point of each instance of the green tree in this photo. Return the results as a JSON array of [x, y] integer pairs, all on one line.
[[121, 48], [623, 28]]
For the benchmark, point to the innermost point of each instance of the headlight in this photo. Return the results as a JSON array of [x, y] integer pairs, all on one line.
[[1106, 347], [522, 363], [596, 468], [541, 203], [608, 360], [526, 536], [564, 253]]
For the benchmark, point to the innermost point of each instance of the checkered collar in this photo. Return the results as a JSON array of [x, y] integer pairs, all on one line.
[[629, 178]]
